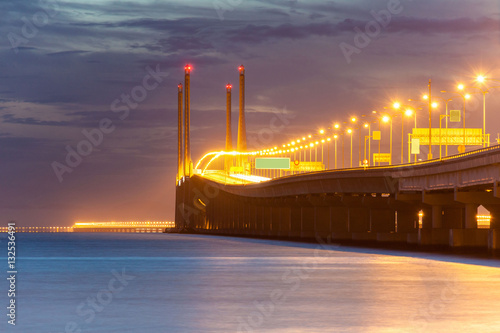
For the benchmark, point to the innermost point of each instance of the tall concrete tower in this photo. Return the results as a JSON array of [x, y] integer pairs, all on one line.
[[242, 133], [187, 118], [229, 140], [180, 165]]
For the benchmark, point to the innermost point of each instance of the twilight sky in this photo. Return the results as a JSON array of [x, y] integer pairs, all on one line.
[[66, 64]]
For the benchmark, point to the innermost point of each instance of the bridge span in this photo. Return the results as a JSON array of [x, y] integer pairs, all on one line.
[[374, 203]]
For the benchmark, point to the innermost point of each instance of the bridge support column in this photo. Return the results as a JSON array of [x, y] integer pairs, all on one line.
[[273, 223], [308, 217], [252, 225], [285, 214], [427, 218], [340, 223], [322, 228], [295, 221], [382, 220], [359, 224], [495, 215], [470, 216], [436, 235], [407, 220], [494, 232], [453, 217], [259, 216], [437, 217], [267, 216]]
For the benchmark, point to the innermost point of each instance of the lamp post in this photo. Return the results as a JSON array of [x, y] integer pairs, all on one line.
[[405, 110], [441, 118], [354, 120], [446, 101], [482, 79], [322, 143], [328, 152], [350, 132], [387, 119], [368, 125], [432, 105], [484, 92], [335, 137], [465, 98], [343, 158]]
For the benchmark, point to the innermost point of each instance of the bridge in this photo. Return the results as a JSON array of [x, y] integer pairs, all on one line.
[[431, 202]]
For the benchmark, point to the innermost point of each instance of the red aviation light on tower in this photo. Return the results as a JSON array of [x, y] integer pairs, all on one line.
[[241, 69], [179, 86], [188, 68], [229, 87]]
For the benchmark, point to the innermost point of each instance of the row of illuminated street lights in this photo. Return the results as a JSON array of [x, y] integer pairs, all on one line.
[[300, 146]]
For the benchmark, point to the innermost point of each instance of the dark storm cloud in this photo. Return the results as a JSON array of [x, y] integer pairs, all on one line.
[[456, 26], [10, 118]]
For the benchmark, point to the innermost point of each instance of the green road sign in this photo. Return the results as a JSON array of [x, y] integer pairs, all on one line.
[[272, 163]]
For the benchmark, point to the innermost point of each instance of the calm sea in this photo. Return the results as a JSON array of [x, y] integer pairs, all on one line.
[[187, 283]]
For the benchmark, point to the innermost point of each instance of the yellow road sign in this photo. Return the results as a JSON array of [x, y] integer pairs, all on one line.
[[450, 136], [308, 166], [382, 158]]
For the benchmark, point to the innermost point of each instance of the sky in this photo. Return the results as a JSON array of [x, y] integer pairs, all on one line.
[[66, 65]]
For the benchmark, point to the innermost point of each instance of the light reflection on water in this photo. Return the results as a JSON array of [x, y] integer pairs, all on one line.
[[187, 283]]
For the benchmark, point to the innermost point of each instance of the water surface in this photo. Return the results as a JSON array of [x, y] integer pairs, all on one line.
[[189, 283]]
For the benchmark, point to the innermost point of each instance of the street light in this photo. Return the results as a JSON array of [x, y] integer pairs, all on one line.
[[404, 112], [328, 153], [446, 101], [482, 79], [431, 105], [355, 120], [387, 119], [335, 137], [465, 98], [322, 159], [350, 132], [368, 125]]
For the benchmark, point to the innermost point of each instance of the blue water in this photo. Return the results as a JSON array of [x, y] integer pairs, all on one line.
[[189, 283]]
